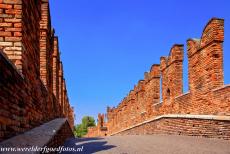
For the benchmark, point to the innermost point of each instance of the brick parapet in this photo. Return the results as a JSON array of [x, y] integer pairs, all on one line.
[[207, 94], [56, 67], [46, 47], [191, 125], [172, 74], [27, 99]]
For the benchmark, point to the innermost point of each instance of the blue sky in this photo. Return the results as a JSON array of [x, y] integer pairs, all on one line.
[[107, 45]]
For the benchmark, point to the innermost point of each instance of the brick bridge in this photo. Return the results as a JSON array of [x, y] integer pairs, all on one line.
[[35, 109]]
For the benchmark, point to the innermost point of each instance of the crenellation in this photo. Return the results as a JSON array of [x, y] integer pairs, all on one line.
[[163, 62], [172, 74], [46, 46], [32, 77], [60, 80], [155, 71], [143, 112], [56, 67], [176, 53], [213, 32], [146, 77], [152, 95]]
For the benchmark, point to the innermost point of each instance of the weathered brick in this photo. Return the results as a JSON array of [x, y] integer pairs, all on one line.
[[13, 29], [5, 6], [17, 34], [6, 44], [5, 24], [16, 25], [13, 39], [18, 7], [12, 1], [6, 15], [17, 44], [13, 11], [22, 92], [5, 34], [14, 49], [12, 20]]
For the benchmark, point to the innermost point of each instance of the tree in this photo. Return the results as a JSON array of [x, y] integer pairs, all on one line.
[[81, 129]]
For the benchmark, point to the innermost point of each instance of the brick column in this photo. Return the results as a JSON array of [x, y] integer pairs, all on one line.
[[56, 67], [172, 74], [71, 117], [152, 88], [205, 58], [140, 100], [61, 87], [64, 97], [46, 46], [131, 102]]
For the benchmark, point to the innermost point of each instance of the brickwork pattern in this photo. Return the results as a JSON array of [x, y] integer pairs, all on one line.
[[33, 88], [182, 126], [207, 93], [100, 129]]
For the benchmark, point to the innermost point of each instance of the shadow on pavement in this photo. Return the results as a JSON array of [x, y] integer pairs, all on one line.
[[87, 145], [88, 139]]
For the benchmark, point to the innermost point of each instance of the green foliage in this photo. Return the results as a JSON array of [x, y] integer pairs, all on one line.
[[81, 129]]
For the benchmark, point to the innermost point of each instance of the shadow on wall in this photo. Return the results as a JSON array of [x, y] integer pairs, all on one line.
[[88, 145]]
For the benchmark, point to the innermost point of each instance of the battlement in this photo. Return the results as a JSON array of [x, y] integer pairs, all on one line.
[[155, 71], [172, 73], [207, 94], [176, 54], [206, 54], [140, 86], [213, 31], [39, 93]]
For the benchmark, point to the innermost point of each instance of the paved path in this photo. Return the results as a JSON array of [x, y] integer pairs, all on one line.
[[150, 144]]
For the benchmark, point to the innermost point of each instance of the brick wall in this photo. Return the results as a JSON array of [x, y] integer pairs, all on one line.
[[30, 68], [56, 68], [100, 129], [46, 46], [172, 74], [203, 126], [207, 94]]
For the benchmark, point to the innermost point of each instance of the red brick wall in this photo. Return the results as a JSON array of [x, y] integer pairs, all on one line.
[[98, 130], [27, 98], [60, 80], [172, 74], [182, 126], [221, 100], [46, 46], [207, 94], [56, 61], [11, 30], [152, 84]]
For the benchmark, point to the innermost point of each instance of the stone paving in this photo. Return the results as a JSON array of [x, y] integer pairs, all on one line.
[[150, 144]]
